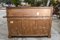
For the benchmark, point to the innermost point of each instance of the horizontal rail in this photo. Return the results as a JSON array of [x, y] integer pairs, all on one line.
[[26, 16]]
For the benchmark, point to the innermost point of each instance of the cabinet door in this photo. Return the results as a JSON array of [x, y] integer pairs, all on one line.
[[42, 26], [12, 27], [28, 26]]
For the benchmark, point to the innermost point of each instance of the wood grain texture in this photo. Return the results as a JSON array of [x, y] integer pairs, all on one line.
[[12, 27], [29, 12], [33, 26]]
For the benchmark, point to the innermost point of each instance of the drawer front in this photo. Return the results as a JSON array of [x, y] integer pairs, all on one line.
[[29, 12]]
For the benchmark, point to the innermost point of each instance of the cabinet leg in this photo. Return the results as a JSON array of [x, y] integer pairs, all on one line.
[[9, 36], [49, 36]]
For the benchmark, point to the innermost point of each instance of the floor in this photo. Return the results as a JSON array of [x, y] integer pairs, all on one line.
[[55, 30]]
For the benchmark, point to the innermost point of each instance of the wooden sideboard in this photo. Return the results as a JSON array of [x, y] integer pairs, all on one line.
[[30, 21]]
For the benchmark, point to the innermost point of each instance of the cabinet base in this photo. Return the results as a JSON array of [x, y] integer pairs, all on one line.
[[27, 36]]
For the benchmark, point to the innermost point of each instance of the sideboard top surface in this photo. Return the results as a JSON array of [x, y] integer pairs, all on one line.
[[29, 7]]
